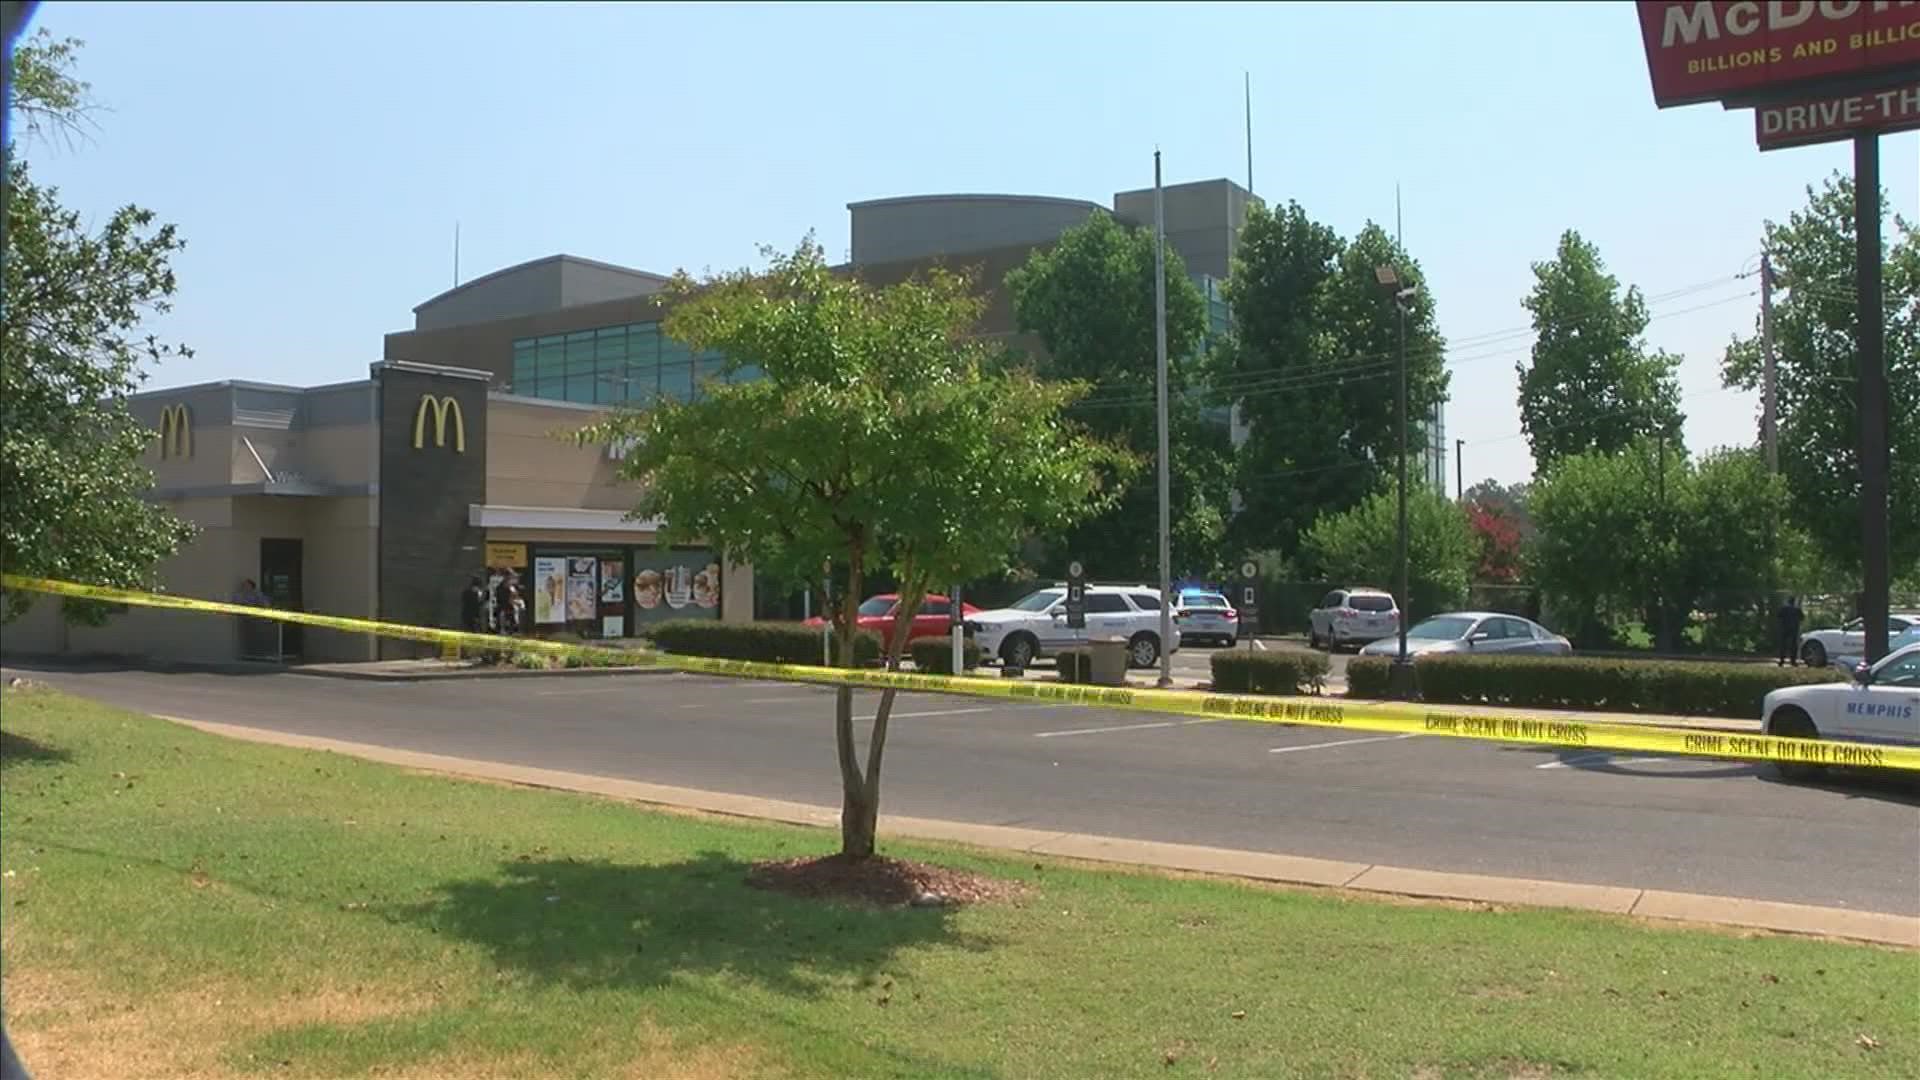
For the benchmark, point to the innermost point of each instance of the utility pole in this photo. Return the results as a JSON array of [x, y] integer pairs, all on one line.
[[1160, 356], [1400, 557], [1769, 401], [1459, 475], [1874, 460], [1660, 590]]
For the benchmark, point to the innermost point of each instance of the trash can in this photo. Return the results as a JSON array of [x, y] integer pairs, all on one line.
[[1108, 661]]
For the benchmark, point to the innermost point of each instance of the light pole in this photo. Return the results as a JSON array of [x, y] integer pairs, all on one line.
[[1390, 281]]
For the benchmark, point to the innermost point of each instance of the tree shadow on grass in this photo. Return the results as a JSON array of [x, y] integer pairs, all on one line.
[[16, 749], [600, 924]]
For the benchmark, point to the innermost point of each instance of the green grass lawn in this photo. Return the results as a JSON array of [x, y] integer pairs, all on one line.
[[175, 904]]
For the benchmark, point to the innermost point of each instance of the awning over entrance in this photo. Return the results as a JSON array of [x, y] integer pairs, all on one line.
[[558, 519]]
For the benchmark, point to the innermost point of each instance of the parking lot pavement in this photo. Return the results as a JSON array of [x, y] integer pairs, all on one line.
[[1717, 827]]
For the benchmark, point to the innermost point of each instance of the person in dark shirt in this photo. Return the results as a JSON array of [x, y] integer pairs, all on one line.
[[503, 608], [473, 606], [1788, 619]]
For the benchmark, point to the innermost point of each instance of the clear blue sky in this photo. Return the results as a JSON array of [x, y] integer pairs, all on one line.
[[316, 157]]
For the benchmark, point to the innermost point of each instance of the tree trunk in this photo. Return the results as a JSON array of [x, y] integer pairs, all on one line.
[[858, 808], [859, 817]]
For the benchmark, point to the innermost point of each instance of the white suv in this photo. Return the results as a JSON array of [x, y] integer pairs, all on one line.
[[1353, 617], [1036, 625]]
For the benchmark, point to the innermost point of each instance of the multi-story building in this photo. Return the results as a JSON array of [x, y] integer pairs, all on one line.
[[382, 497]]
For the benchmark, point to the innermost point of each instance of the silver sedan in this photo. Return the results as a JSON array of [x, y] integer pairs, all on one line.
[[1482, 633]]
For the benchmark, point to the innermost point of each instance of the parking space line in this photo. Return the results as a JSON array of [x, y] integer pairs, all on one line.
[[751, 701], [1339, 742], [1119, 727], [943, 712]]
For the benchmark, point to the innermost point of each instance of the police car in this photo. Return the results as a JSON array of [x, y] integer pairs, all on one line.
[[1880, 705]]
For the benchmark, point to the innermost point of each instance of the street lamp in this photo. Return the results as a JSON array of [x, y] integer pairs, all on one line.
[[1390, 282]]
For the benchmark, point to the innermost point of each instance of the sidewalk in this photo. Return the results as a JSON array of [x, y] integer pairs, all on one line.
[[1878, 927]]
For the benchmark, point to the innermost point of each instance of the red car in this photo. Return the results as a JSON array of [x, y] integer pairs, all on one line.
[[931, 621]]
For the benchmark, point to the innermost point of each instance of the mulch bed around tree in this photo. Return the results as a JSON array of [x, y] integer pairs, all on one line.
[[878, 880]]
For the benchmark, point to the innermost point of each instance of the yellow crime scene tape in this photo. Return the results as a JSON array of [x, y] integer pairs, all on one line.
[[1390, 717]]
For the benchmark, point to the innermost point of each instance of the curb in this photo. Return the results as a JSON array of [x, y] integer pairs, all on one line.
[[1880, 928], [475, 673]]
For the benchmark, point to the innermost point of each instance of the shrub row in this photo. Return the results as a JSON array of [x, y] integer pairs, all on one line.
[[935, 655], [1683, 687], [772, 642], [1238, 672]]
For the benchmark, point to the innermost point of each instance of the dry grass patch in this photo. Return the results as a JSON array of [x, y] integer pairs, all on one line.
[[65, 1023]]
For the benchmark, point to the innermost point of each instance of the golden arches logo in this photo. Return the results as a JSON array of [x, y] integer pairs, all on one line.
[[442, 408], [176, 432]]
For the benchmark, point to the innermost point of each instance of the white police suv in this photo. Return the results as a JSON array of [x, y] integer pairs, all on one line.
[[1880, 705], [1035, 625]]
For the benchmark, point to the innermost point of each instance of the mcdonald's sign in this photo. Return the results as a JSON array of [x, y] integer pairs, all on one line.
[[442, 408], [176, 432]]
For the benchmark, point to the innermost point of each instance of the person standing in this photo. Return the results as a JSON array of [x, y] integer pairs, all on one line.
[[473, 607], [1788, 619], [503, 605]]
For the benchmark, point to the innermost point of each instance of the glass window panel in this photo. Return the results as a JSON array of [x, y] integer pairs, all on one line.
[[580, 386], [676, 381]]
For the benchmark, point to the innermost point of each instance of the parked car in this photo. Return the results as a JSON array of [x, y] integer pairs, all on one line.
[[1035, 625], [1482, 633], [1206, 616], [1817, 646], [1353, 617], [1881, 704], [1852, 661], [934, 619]]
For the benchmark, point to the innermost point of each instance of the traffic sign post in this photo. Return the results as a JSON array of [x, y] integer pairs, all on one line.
[[957, 625], [1076, 595], [1249, 600]]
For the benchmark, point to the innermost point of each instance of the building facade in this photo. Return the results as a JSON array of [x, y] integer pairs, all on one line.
[[381, 498]]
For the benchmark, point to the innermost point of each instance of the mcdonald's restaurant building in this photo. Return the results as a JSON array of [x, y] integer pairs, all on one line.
[[382, 499]]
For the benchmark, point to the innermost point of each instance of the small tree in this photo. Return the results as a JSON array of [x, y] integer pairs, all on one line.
[[1620, 538], [1359, 547], [70, 352], [879, 434]]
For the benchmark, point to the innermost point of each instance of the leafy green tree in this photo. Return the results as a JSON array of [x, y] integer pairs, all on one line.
[[71, 351], [1312, 368], [1620, 539], [1089, 299], [1359, 547], [881, 433], [1814, 329], [1591, 383]]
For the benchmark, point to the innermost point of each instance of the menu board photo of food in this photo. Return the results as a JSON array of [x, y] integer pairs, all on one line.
[[646, 588], [582, 590], [706, 586], [549, 590], [679, 586]]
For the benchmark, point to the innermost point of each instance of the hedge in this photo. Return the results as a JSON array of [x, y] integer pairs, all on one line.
[[1368, 677], [773, 642], [935, 655], [1237, 672], [1682, 687]]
